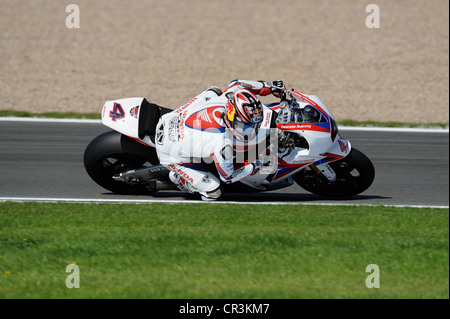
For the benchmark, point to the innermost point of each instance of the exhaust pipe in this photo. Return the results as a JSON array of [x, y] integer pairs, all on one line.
[[155, 177]]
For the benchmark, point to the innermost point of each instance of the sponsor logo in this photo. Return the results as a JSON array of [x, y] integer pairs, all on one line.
[[206, 179], [174, 128], [306, 127], [295, 126], [266, 123], [160, 134], [209, 119], [182, 173], [183, 117], [134, 111], [181, 109], [230, 114]]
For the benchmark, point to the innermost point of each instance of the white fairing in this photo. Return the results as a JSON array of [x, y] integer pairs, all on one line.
[[324, 141], [122, 116], [340, 147], [319, 142], [316, 99]]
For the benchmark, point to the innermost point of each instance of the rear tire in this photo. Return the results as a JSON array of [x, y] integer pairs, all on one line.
[[113, 153], [355, 173]]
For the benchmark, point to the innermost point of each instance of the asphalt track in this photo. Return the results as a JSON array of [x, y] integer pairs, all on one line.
[[44, 160]]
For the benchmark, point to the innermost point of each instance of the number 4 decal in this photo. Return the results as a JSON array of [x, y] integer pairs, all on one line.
[[117, 113]]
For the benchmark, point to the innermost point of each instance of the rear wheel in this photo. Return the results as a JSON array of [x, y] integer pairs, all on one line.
[[112, 153], [354, 174]]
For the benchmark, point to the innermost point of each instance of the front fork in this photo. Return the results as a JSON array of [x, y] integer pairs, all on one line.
[[324, 170], [341, 148]]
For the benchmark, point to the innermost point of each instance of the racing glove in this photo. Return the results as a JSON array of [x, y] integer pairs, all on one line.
[[276, 88]]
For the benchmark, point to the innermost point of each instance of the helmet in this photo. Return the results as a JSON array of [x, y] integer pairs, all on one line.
[[244, 114]]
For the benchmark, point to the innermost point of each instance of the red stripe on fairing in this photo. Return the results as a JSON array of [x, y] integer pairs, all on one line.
[[288, 168], [307, 99], [333, 156]]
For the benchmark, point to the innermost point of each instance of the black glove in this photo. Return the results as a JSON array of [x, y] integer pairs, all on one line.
[[278, 84], [277, 88]]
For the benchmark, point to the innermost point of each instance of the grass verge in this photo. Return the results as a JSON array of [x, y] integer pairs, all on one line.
[[219, 251]]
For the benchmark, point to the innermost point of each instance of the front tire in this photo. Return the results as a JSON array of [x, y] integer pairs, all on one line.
[[113, 153], [354, 174]]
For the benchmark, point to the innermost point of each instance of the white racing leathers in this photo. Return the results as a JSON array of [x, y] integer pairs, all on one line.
[[195, 132]]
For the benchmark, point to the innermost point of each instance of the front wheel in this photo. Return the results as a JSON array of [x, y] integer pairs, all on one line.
[[112, 153], [354, 174]]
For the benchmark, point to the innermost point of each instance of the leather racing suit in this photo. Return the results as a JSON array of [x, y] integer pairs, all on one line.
[[195, 133]]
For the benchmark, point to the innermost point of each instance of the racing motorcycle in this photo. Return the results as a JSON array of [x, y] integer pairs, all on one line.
[[309, 150]]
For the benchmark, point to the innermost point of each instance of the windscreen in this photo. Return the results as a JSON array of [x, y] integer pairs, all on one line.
[[293, 113]]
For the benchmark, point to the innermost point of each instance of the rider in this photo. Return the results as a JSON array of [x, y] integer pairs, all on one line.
[[208, 128]]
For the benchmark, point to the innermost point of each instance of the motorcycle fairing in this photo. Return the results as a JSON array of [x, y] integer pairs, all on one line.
[[340, 149], [122, 115]]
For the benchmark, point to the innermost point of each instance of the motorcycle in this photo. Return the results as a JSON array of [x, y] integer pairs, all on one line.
[[308, 151]]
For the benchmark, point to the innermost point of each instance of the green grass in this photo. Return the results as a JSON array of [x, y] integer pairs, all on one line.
[[6, 113], [222, 251]]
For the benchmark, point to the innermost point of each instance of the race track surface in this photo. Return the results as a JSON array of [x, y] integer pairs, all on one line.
[[45, 160]]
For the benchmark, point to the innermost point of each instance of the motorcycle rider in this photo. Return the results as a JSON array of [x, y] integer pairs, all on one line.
[[208, 128]]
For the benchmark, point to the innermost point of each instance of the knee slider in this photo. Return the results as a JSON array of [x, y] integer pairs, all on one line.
[[215, 193]]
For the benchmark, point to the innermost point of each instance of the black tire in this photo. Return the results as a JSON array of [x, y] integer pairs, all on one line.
[[112, 153], [355, 173]]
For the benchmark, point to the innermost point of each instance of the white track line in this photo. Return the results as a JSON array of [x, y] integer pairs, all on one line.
[[48, 120], [394, 129], [172, 201], [343, 128]]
